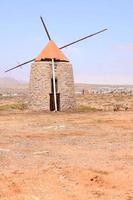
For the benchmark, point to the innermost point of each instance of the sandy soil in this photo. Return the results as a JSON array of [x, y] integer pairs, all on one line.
[[66, 156]]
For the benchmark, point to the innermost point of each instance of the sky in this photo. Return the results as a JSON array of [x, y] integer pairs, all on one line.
[[106, 58]]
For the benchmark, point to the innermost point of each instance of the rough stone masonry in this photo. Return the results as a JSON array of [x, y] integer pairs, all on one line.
[[40, 85]]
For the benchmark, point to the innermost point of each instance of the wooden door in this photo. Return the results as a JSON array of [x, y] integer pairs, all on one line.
[[52, 105]]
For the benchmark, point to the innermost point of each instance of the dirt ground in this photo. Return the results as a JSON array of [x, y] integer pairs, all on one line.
[[66, 156]]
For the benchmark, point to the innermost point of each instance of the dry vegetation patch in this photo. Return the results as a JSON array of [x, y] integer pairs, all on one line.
[[105, 102]]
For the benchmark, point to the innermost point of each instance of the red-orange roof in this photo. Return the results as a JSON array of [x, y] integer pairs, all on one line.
[[51, 51]]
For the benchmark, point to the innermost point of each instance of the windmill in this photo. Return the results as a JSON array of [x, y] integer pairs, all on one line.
[[51, 77]]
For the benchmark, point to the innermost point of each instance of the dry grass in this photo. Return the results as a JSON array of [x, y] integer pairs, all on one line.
[[14, 106], [86, 108], [105, 102]]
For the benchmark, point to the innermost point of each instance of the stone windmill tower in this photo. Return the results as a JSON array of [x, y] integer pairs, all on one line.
[[51, 81], [51, 85]]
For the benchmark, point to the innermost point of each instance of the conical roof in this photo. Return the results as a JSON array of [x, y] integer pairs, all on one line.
[[51, 51]]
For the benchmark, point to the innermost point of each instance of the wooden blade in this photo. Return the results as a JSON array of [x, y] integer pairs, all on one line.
[[20, 65], [45, 28], [82, 39]]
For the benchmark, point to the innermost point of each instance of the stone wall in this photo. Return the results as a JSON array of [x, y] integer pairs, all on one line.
[[40, 85]]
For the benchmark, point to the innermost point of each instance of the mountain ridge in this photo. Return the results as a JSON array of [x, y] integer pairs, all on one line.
[[8, 82]]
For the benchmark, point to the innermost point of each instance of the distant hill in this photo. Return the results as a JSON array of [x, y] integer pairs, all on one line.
[[84, 86], [7, 82], [11, 83]]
